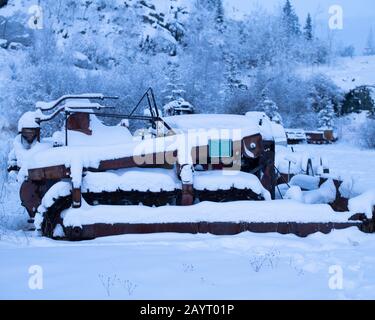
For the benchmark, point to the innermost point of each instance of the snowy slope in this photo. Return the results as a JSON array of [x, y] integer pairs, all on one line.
[[347, 73]]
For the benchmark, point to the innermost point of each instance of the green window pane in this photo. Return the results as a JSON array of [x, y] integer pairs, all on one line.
[[220, 148], [226, 148], [214, 146]]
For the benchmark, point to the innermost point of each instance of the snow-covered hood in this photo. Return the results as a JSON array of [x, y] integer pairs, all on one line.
[[230, 126]]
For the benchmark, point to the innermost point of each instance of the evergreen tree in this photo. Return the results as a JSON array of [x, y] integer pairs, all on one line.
[[3, 3], [217, 9], [323, 89], [370, 45], [269, 107], [291, 20], [219, 14], [308, 29], [359, 99], [174, 89], [326, 116], [173, 20], [348, 51], [231, 74]]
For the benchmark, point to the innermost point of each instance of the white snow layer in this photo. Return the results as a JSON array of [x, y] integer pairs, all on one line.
[[305, 182], [59, 189], [102, 135], [28, 120], [145, 179], [43, 105], [325, 194], [90, 156], [239, 211], [287, 161], [225, 180], [215, 125], [347, 73], [268, 129]]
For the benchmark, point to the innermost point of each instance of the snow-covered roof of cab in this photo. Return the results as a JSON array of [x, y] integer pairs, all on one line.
[[179, 104], [208, 122]]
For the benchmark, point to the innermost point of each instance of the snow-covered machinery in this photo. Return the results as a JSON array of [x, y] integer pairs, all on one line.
[[322, 136], [90, 179], [295, 136], [178, 107]]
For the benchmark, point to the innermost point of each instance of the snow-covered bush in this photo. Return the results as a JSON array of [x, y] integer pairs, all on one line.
[[359, 99]]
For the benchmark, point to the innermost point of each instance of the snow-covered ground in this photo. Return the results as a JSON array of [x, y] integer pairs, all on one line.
[[171, 266], [174, 266]]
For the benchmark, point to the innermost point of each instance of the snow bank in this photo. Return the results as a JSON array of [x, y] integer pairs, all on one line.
[[325, 194], [347, 73], [364, 203], [240, 211]]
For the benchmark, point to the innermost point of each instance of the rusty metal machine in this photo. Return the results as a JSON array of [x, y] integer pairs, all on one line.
[[90, 179]]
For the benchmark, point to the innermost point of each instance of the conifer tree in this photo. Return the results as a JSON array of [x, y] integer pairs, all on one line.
[[308, 29]]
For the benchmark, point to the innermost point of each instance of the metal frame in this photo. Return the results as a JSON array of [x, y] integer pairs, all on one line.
[[149, 94]]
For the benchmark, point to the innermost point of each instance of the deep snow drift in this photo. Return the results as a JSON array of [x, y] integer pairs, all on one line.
[[171, 266]]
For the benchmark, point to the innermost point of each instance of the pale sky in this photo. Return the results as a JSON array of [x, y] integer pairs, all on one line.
[[359, 15]]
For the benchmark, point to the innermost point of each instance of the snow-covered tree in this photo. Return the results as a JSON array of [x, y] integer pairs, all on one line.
[[359, 99], [3, 3], [290, 20], [370, 44], [348, 51], [174, 88], [308, 28], [323, 89], [269, 107], [173, 20], [326, 116], [219, 15]]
